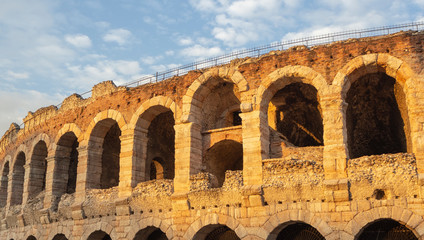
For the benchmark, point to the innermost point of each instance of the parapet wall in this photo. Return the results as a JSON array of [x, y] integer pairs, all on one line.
[[328, 138]]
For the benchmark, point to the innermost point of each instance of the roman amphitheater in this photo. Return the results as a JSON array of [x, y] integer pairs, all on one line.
[[322, 142]]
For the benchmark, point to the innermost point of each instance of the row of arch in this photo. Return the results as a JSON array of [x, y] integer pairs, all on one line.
[[381, 229], [146, 144]]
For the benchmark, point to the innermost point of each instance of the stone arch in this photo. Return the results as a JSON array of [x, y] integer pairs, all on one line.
[[60, 237], [215, 231], [41, 137], [56, 230], [385, 65], [107, 114], [216, 219], [40, 150], [101, 226], [22, 148], [156, 169], [371, 63], [228, 136], [290, 216], [295, 229], [18, 178], [4, 180], [388, 228], [105, 128], [140, 224], [69, 127], [402, 215], [157, 110], [222, 156], [164, 101], [299, 77], [33, 232], [197, 92], [232, 114], [282, 77], [66, 154]]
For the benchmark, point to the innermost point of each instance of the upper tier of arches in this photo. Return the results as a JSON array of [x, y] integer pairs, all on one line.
[[175, 136]]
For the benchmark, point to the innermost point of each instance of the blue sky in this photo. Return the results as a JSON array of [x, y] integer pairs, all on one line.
[[51, 49]]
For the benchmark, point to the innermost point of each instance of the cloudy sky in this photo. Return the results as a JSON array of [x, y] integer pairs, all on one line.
[[51, 49]]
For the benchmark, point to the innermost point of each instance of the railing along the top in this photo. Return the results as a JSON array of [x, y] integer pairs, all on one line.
[[258, 51]]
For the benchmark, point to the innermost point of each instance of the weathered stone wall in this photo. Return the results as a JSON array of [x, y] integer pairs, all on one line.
[[285, 172]]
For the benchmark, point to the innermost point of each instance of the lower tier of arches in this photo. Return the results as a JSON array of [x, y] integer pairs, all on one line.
[[361, 219]]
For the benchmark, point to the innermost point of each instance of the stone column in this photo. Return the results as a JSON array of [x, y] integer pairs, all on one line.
[[335, 148], [51, 179], [415, 102], [27, 186], [188, 154], [82, 181], [9, 189], [131, 170], [255, 144]]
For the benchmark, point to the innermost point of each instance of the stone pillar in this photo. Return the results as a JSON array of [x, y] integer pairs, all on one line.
[[49, 197], [82, 182], [255, 144], [129, 161], [9, 189], [335, 139], [415, 103], [27, 186], [188, 154], [335, 148]]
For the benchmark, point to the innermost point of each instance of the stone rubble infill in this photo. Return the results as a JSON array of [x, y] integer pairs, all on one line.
[[100, 202], [290, 173]]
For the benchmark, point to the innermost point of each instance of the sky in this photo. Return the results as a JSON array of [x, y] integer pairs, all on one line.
[[51, 49]]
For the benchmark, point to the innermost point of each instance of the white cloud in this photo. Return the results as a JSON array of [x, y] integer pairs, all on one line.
[[102, 24], [162, 67], [23, 101], [184, 41], [79, 40], [149, 60], [204, 5], [120, 36], [169, 53], [88, 75], [10, 75], [198, 51], [239, 22]]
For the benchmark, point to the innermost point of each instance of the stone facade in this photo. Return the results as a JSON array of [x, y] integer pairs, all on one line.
[[326, 141]]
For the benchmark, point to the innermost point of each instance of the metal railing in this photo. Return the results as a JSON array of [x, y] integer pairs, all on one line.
[[258, 51], [261, 50]]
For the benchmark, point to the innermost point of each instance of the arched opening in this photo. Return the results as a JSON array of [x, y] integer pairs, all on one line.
[[31, 238], [216, 232], [294, 112], [221, 106], [295, 231], [156, 169], [376, 116], [161, 145], [150, 233], [4, 184], [59, 237], [386, 229], [37, 177], [18, 176], [222, 156], [99, 235], [67, 158], [104, 152]]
